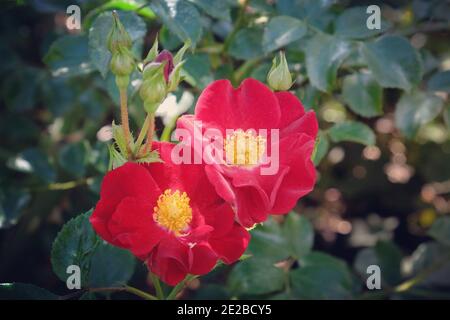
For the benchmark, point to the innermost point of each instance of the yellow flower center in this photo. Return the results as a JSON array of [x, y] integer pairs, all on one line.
[[244, 148], [173, 211]]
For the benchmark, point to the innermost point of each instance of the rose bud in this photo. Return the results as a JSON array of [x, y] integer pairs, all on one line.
[[279, 78]]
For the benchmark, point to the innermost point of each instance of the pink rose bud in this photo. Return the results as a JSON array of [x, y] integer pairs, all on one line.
[[168, 58]]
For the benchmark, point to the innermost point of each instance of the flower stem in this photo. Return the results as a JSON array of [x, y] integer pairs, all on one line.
[[157, 285], [173, 294], [165, 136], [124, 118], [142, 134], [151, 128], [140, 293], [132, 290]]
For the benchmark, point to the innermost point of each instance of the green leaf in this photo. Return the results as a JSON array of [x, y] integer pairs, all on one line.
[[19, 93], [268, 242], [426, 257], [313, 12], [282, 30], [384, 254], [24, 291], [415, 109], [197, 70], [33, 161], [261, 71], [352, 131], [74, 245], [68, 56], [12, 202], [440, 82], [181, 17], [321, 148], [299, 233], [73, 158], [255, 276], [394, 62], [321, 276], [168, 41], [351, 24], [59, 96], [219, 9], [110, 266], [101, 264], [363, 94], [325, 54], [98, 34], [310, 97], [247, 44], [440, 230]]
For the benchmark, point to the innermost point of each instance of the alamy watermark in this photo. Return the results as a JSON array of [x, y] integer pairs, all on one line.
[[373, 22], [74, 279], [374, 279], [73, 20]]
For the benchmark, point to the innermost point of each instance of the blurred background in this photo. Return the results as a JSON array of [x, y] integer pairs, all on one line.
[[383, 157]]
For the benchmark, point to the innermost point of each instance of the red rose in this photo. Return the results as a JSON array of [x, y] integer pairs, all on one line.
[[237, 177], [168, 215]]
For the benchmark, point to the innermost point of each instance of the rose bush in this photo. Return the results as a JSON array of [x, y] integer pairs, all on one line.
[[240, 68]]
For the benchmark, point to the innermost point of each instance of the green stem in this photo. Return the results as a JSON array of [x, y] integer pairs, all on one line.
[[151, 130], [157, 285], [132, 290], [124, 119], [407, 285], [142, 134], [173, 294], [140, 293], [165, 136]]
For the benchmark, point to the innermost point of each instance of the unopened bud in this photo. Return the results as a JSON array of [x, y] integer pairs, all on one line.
[[279, 78], [166, 56], [154, 88], [175, 77], [118, 37], [122, 62]]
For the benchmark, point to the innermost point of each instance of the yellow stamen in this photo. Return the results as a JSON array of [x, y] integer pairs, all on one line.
[[244, 148], [173, 211]]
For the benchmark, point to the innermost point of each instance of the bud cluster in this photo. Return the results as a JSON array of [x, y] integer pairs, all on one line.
[[122, 61], [161, 75]]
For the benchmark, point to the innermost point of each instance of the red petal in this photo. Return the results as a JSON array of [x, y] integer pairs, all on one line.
[[307, 124], [231, 246], [170, 261], [220, 217], [203, 259], [302, 174], [129, 180], [199, 234], [251, 106], [100, 217], [291, 108], [133, 227]]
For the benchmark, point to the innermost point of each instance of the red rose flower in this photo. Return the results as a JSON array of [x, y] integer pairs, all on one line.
[[168, 215], [237, 177]]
